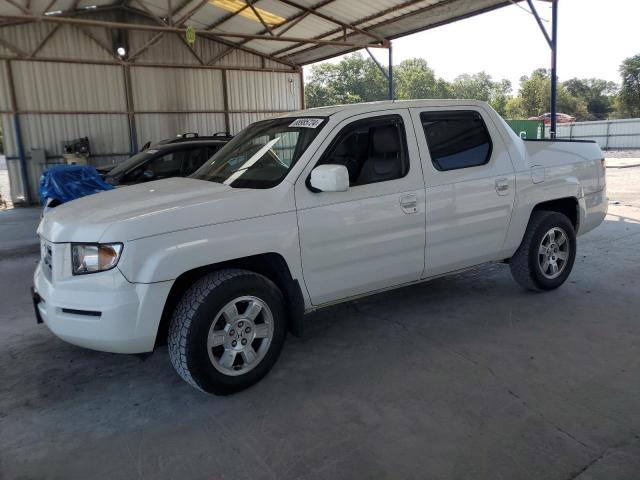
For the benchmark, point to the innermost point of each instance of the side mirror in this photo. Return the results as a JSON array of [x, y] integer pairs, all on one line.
[[330, 178]]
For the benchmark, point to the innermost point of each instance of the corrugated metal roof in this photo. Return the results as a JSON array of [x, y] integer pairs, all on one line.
[[353, 22]]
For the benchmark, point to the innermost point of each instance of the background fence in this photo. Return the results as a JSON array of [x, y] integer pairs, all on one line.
[[610, 134]]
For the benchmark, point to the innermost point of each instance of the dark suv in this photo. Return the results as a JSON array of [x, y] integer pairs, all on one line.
[[175, 158]]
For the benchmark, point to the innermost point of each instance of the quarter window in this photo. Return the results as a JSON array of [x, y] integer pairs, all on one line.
[[456, 139], [373, 150]]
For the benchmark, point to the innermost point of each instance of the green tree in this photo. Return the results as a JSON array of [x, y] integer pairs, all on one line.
[[628, 101], [480, 86], [534, 98], [598, 95], [354, 79], [415, 79]]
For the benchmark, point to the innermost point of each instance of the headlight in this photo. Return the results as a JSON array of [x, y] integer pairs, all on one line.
[[94, 257]]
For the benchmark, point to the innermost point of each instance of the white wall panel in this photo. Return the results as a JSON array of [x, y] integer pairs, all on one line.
[[263, 91], [107, 133], [68, 87], [5, 101], [8, 135], [168, 49], [155, 127], [69, 38], [240, 120], [176, 89]]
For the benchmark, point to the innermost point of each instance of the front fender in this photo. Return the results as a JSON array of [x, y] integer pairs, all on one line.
[[165, 257]]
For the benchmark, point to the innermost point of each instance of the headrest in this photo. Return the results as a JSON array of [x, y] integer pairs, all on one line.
[[385, 166], [385, 139]]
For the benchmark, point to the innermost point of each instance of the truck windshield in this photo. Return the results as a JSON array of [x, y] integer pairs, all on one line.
[[262, 154]]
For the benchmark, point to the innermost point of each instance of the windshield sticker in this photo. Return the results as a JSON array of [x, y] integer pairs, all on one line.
[[306, 123]]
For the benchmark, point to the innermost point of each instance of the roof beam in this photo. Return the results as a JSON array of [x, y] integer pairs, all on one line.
[[205, 34], [150, 43], [220, 36], [87, 33], [191, 49], [257, 14], [190, 13], [290, 22], [406, 4], [293, 23], [22, 8], [228, 16], [11, 47], [374, 16], [329, 18], [44, 40], [49, 6]]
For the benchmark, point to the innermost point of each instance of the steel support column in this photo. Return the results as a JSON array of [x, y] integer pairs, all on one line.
[[391, 90], [552, 40], [24, 171], [131, 116], [554, 72]]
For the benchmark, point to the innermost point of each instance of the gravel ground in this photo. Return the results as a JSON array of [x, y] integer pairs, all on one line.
[[622, 154]]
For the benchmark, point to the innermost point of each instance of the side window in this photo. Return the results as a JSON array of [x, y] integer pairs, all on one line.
[[373, 150], [166, 166], [192, 160], [456, 139], [163, 166]]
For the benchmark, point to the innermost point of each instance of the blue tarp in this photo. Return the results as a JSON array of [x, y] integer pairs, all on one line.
[[68, 182]]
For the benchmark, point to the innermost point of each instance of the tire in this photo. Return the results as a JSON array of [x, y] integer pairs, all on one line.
[[538, 245], [219, 328]]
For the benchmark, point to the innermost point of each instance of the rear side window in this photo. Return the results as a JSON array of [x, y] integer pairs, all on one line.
[[456, 139]]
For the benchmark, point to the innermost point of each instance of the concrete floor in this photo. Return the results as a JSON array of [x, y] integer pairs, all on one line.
[[464, 377]]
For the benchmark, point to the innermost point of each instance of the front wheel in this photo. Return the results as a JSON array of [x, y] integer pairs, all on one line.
[[546, 255], [227, 331]]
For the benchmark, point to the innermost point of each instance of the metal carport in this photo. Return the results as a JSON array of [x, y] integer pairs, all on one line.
[[123, 72]]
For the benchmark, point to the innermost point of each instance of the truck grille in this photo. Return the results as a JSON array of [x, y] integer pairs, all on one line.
[[46, 259]]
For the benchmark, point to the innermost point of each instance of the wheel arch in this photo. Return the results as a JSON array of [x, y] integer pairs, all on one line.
[[271, 265], [567, 206]]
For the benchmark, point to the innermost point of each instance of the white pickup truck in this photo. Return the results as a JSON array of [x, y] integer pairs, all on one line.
[[306, 210]]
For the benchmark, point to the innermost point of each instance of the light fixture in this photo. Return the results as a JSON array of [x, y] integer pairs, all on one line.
[[121, 51]]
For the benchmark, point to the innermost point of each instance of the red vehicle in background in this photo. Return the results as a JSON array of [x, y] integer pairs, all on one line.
[[560, 118]]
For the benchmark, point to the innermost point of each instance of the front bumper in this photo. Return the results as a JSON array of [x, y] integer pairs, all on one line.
[[101, 311]]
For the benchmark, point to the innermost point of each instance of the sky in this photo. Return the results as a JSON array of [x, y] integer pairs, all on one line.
[[594, 37]]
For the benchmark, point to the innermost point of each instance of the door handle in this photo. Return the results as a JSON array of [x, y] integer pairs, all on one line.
[[409, 203], [502, 186]]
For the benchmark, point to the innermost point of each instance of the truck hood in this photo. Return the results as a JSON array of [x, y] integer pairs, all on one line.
[[153, 208]]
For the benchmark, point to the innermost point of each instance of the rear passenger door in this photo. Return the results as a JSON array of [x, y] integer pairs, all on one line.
[[371, 236], [470, 187]]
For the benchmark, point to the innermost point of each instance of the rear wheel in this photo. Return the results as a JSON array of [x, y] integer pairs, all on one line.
[[227, 331], [546, 255]]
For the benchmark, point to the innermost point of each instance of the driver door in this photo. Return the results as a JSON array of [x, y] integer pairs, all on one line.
[[373, 235]]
